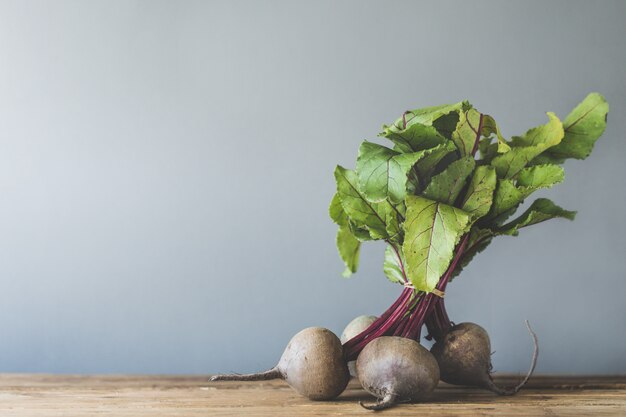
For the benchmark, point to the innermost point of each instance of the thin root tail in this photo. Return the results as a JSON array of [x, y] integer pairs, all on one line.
[[273, 373], [533, 363], [388, 401]]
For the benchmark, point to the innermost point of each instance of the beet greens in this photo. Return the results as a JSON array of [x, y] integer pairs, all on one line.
[[442, 192]]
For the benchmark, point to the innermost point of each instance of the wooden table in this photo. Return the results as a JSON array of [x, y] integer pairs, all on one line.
[[122, 396]]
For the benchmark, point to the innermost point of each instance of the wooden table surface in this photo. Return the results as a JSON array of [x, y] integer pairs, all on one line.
[[122, 396]]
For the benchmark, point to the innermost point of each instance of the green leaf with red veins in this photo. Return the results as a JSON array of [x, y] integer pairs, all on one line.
[[432, 230], [466, 132], [582, 127]]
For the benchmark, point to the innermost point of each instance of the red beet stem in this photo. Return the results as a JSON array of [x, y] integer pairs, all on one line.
[[480, 127], [353, 347], [406, 294]]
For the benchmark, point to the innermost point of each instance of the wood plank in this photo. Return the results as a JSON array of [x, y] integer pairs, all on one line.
[[190, 396]]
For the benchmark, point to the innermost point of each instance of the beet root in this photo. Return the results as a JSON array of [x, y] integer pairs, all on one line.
[[396, 369], [464, 358], [312, 363], [354, 328]]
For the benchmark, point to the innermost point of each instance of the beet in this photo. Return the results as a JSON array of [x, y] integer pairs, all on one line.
[[354, 328], [464, 358], [312, 363], [396, 369]]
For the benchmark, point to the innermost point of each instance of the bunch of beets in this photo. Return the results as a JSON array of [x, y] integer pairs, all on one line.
[[449, 184]]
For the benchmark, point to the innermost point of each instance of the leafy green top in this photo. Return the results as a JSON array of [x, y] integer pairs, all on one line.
[[450, 173]]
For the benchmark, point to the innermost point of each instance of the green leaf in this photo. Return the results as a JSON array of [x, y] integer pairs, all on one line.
[[363, 213], [335, 210], [361, 233], [507, 197], [446, 186], [415, 138], [487, 150], [426, 165], [490, 127], [546, 158], [525, 148], [479, 195], [349, 248], [427, 116], [582, 127], [394, 217], [446, 124], [466, 132], [383, 172], [392, 266], [432, 230], [540, 176], [511, 193], [540, 210], [548, 135]]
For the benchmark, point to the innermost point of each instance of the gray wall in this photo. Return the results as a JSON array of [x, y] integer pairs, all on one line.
[[165, 170]]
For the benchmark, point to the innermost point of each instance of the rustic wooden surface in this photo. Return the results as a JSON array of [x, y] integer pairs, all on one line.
[[122, 396]]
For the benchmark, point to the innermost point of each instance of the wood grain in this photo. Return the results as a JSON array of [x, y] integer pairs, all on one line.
[[138, 396]]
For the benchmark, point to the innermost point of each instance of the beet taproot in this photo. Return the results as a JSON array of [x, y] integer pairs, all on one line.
[[396, 369], [313, 364], [464, 358], [357, 326]]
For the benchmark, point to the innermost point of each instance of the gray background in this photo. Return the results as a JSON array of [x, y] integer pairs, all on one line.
[[165, 171]]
